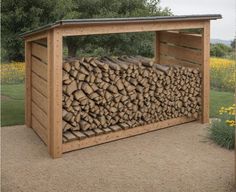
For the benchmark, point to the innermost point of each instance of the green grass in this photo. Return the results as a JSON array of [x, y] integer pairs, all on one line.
[[12, 103], [220, 99]]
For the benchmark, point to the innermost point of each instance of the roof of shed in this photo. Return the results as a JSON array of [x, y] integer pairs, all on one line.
[[122, 20]]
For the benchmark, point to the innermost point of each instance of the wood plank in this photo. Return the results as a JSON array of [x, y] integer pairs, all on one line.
[[40, 100], [39, 68], [40, 52], [28, 81], [157, 47], [83, 29], [205, 72], [55, 92], [39, 129], [39, 115], [37, 36], [181, 53], [104, 138], [42, 42], [181, 39], [39, 84], [173, 61]]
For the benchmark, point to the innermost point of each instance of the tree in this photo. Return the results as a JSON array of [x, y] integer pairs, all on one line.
[[233, 43], [19, 16], [220, 50]]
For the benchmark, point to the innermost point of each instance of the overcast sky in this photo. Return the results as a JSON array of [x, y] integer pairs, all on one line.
[[220, 29]]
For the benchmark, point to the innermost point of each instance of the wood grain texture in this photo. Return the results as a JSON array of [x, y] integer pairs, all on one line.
[[40, 52], [181, 39], [55, 96], [181, 53], [173, 61], [39, 68], [39, 129], [205, 72], [157, 47], [126, 28], [39, 84], [28, 86], [79, 144], [39, 114], [40, 100]]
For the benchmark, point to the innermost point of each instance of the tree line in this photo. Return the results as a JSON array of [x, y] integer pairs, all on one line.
[[19, 16]]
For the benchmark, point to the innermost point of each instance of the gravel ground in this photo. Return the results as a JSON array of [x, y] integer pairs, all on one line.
[[179, 158]]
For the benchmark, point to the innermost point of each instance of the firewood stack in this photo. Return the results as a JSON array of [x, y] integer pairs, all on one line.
[[126, 92]]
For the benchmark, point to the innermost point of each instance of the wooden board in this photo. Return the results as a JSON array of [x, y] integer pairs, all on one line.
[[181, 39], [112, 136], [39, 129], [206, 72], [39, 68], [40, 52], [40, 100], [39, 84], [55, 92], [181, 53], [130, 27], [28, 86], [173, 61], [39, 115]]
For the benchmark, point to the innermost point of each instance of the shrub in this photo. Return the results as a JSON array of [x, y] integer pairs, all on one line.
[[222, 130]]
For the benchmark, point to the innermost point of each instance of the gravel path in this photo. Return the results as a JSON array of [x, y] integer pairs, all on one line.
[[177, 159]]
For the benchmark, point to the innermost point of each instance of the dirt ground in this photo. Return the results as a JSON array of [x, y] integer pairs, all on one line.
[[177, 159]]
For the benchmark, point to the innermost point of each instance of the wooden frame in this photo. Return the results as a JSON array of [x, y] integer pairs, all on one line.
[[48, 78]]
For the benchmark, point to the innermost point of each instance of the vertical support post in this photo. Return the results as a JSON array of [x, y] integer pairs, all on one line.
[[205, 71], [55, 92], [157, 47], [28, 78]]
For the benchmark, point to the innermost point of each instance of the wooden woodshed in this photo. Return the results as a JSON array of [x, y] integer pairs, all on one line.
[[44, 66]]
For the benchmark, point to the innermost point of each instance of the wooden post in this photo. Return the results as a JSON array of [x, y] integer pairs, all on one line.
[[157, 47], [28, 84], [55, 92], [205, 71]]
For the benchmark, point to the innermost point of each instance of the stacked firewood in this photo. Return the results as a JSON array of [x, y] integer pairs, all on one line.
[[126, 91]]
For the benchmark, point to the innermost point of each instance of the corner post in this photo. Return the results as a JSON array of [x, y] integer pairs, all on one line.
[[28, 78], [157, 47], [205, 71], [55, 92]]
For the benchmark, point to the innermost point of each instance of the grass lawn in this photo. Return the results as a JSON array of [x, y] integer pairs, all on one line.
[[12, 103], [220, 99]]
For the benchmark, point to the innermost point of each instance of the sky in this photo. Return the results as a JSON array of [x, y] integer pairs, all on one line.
[[220, 29]]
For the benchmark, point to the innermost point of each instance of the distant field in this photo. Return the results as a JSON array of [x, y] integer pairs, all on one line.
[[12, 101]]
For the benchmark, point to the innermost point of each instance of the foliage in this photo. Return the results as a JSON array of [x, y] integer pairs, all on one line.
[[19, 16], [220, 50], [222, 129], [233, 43], [222, 73], [12, 73], [23, 15]]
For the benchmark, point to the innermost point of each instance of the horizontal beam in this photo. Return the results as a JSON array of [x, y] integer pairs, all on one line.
[[96, 140], [74, 30]]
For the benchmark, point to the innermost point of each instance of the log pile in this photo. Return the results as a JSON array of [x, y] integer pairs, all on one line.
[[126, 92]]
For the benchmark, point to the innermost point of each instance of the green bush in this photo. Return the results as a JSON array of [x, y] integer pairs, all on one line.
[[222, 130]]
